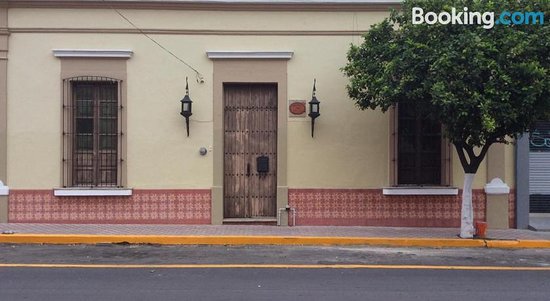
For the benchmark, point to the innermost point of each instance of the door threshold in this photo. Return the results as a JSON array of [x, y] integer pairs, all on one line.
[[251, 221]]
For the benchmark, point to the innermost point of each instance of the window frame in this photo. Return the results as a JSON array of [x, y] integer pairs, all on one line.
[[69, 135], [446, 172]]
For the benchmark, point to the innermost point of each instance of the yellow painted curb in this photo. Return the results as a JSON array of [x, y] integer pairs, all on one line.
[[535, 243], [518, 244], [270, 240], [237, 240]]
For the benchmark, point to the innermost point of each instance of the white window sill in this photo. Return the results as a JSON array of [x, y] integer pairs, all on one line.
[[420, 191], [92, 192]]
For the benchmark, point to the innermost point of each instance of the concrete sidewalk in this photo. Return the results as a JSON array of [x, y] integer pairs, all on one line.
[[270, 235]]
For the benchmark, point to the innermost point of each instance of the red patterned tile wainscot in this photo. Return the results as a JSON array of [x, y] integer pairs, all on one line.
[[369, 207], [512, 208], [190, 206]]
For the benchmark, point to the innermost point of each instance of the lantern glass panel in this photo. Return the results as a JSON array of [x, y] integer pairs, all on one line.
[[186, 107], [315, 108]]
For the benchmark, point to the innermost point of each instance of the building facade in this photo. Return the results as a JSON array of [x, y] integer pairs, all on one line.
[[91, 125]]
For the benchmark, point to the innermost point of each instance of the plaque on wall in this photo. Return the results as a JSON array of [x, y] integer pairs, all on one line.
[[297, 108]]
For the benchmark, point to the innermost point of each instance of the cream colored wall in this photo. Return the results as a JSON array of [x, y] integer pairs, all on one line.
[[510, 162], [34, 124], [194, 20], [350, 148], [159, 153]]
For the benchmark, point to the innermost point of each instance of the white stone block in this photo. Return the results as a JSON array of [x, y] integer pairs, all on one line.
[[497, 186]]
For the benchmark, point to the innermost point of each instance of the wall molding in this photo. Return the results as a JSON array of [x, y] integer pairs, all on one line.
[[245, 54], [93, 53], [214, 5], [216, 32]]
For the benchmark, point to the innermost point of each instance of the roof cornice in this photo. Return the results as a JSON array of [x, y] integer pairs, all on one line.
[[208, 5]]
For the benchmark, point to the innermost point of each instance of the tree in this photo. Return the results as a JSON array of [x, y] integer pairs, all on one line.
[[484, 85]]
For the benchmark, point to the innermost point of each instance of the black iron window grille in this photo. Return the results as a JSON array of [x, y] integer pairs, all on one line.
[[92, 132], [419, 148]]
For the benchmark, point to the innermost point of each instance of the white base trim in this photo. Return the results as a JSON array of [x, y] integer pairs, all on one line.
[[93, 53], [4, 190], [283, 55], [420, 191], [91, 192], [497, 186]]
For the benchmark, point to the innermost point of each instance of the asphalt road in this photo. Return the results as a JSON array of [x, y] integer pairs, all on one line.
[[270, 284], [139, 272], [165, 254]]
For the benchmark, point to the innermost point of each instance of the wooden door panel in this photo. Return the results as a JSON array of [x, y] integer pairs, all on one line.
[[250, 131], [265, 138]]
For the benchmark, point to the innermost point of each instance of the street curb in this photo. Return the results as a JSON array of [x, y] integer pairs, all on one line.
[[270, 240], [518, 244]]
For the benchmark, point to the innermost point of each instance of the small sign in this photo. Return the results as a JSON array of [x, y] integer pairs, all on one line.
[[539, 139], [297, 108]]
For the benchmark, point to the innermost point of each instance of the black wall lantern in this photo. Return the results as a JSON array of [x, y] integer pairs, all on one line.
[[314, 106], [186, 106]]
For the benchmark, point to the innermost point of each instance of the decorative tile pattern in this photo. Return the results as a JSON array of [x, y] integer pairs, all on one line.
[[143, 207], [512, 209], [341, 207], [369, 207]]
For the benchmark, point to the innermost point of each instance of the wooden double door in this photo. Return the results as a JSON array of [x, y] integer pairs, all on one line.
[[250, 150]]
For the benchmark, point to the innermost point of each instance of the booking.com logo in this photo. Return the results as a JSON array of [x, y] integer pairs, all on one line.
[[487, 19]]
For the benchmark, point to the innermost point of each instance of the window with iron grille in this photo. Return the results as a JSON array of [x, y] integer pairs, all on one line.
[[92, 134], [419, 148]]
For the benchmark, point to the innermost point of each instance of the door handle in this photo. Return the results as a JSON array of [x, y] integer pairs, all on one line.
[[248, 169]]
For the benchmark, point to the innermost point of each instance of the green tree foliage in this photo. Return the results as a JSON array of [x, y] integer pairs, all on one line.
[[483, 85]]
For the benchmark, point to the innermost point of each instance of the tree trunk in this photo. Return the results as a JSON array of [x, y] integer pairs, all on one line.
[[470, 163], [467, 216]]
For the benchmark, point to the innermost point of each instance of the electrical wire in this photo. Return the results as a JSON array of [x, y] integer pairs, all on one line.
[[199, 77]]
